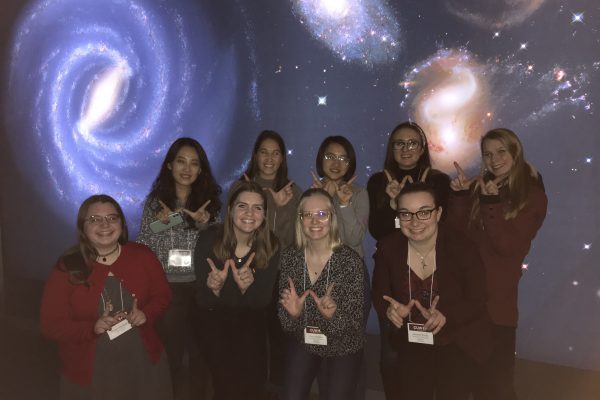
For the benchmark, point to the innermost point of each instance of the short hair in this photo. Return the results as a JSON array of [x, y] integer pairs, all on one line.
[[348, 148], [334, 233], [419, 187], [281, 178], [424, 161]]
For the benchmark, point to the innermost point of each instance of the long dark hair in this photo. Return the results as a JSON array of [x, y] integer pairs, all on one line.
[[345, 143], [390, 163], [281, 178], [204, 187], [77, 260], [264, 242]]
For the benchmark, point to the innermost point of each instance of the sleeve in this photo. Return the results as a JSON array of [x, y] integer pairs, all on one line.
[[354, 218], [260, 293], [381, 281], [459, 207], [204, 296], [57, 324], [511, 237], [470, 275], [288, 266], [285, 217], [348, 294], [146, 236], [381, 215], [159, 289]]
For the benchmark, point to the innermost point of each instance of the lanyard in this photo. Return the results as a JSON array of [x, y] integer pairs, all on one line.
[[328, 266], [410, 290], [188, 240]]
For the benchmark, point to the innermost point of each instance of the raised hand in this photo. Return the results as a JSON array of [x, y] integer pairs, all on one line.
[[490, 188], [461, 182], [200, 215], [243, 277], [283, 196], [316, 182], [394, 187], [435, 319], [291, 302], [105, 322], [136, 317], [163, 214], [344, 192], [396, 311], [326, 305], [216, 277]]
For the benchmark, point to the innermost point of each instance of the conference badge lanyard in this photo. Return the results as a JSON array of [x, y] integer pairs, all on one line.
[[313, 334], [121, 327], [180, 260], [417, 332]]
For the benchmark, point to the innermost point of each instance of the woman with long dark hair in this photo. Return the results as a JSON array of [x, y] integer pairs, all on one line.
[[501, 210], [100, 304], [236, 267], [184, 200]]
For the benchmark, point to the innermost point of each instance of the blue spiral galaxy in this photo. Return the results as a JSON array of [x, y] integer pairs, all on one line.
[[98, 90]]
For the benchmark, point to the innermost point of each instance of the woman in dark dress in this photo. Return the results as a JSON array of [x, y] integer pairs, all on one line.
[[236, 270]]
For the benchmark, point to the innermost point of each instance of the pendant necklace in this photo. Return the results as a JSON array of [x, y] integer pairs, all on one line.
[[113, 251]]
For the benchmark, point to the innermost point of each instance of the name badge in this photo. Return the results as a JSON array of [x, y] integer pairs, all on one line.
[[118, 329], [313, 335], [180, 261], [418, 334]]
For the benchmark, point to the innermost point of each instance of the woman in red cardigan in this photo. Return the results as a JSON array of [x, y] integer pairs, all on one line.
[[100, 304], [501, 211]]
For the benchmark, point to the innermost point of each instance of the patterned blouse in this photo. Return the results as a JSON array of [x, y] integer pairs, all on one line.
[[345, 331]]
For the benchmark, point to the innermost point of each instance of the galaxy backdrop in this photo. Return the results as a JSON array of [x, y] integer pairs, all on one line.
[[94, 92]]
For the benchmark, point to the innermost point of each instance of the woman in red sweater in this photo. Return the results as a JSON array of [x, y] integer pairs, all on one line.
[[100, 304], [501, 211]]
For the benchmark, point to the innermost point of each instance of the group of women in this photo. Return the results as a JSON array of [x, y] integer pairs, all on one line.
[[274, 287]]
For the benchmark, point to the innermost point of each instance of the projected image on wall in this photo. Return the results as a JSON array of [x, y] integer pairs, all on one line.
[[96, 91]]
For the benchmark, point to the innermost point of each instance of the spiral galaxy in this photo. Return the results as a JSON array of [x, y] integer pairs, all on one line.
[[99, 90], [365, 31]]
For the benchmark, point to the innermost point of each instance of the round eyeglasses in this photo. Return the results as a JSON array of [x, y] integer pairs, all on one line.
[[321, 215], [99, 219], [408, 145]]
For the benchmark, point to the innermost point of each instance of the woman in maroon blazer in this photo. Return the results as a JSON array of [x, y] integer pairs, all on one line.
[[501, 211], [428, 283]]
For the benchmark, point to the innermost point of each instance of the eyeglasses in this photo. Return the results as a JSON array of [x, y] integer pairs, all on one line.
[[422, 215], [99, 219], [335, 157], [320, 215], [408, 144]]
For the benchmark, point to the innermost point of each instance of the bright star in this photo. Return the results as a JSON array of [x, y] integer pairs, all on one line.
[[577, 17], [321, 100]]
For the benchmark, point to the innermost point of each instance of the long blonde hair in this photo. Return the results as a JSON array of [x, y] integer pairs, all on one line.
[[519, 180]]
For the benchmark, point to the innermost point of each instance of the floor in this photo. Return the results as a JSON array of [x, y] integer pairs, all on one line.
[[28, 370]]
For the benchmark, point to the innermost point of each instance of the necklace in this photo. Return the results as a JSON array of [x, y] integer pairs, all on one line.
[[113, 251], [421, 256]]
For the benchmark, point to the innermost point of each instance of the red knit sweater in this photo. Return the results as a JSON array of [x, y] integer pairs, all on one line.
[[69, 312]]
